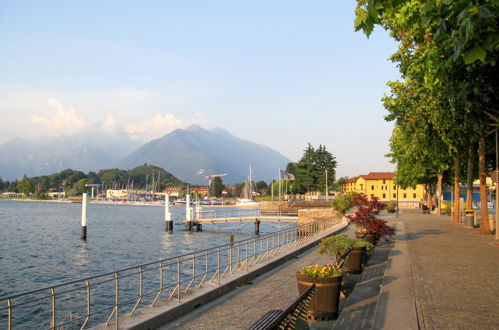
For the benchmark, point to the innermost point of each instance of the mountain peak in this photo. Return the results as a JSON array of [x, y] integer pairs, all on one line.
[[194, 128], [214, 150]]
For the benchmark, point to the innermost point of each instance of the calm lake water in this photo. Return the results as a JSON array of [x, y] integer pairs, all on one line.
[[41, 245]]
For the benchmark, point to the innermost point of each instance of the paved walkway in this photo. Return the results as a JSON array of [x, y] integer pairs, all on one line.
[[455, 274], [436, 275]]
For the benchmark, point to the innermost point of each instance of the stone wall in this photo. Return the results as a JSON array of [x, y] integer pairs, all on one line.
[[290, 207], [309, 215]]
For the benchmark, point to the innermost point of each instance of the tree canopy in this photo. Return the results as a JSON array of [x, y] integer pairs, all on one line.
[[310, 170]]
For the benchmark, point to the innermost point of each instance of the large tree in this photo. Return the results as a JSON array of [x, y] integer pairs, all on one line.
[[449, 49], [311, 170]]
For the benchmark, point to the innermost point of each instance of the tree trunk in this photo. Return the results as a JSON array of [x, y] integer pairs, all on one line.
[[484, 217], [439, 194], [455, 217], [469, 179]]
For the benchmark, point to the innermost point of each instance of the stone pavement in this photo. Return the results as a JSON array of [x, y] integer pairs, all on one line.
[[436, 275], [455, 273]]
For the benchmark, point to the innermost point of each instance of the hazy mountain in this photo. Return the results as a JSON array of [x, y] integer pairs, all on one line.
[[88, 151], [191, 154]]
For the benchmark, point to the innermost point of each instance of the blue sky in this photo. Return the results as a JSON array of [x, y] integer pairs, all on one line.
[[280, 73]]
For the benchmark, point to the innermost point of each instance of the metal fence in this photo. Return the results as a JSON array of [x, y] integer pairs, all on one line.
[[107, 297]]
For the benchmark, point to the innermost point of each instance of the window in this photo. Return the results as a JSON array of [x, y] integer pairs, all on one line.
[[384, 181], [394, 187], [361, 187], [372, 187], [414, 195], [405, 195], [384, 195], [394, 195]]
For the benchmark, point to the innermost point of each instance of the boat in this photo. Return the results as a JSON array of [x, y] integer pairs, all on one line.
[[246, 198]]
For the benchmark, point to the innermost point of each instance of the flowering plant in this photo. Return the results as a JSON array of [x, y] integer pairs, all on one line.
[[323, 271]]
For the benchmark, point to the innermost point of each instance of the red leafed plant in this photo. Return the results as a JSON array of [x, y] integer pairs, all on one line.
[[365, 217]]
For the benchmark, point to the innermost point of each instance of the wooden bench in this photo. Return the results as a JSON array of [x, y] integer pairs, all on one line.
[[287, 319]]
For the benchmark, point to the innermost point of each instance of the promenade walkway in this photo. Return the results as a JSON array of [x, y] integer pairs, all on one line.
[[435, 275]]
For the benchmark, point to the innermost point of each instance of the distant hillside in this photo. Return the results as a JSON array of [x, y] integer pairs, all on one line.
[[88, 151], [191, 154]]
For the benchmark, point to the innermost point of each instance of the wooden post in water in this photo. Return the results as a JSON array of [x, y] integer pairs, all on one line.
[[257, 227], [84, 217], [168, 214], [188, 213]]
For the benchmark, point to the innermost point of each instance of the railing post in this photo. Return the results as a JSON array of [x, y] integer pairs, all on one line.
[[218, 264], [87, 318], [178, 278], [246, 255], [53, 320], [117, 301], [9, 314]]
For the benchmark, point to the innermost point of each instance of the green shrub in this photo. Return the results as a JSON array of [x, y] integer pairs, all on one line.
[[359, 242], [341, 204], [336, 245], [391, 206], [446, 207]]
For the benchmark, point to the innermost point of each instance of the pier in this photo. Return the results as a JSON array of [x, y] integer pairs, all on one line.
[[195, 219]]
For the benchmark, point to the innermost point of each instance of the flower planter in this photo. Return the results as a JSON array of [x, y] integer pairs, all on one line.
[[371, 238], [360, 235], [353, 264], [325, 302]]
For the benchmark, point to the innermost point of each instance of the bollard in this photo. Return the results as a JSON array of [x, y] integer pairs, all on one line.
[[168, 215], [257, 227], [188, 213], [84, 217]]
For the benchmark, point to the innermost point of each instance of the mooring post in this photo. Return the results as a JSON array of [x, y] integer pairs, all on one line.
[[188, 213], [168, 214], [257, 227], [84, 217]]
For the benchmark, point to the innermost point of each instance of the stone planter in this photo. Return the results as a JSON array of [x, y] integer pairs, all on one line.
[[325, 302], [353, 264]]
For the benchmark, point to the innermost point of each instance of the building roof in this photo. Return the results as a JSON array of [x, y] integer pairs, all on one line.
[[378, 176], [351, 180]]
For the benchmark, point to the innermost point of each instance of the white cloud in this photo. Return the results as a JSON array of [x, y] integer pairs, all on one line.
[[110, 125], [159, 125], [65, 121]]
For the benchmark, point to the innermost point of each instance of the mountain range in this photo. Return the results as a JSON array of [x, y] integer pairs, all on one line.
[[189, 154]]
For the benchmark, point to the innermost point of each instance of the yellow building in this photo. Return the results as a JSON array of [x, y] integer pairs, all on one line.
[[381, 185]]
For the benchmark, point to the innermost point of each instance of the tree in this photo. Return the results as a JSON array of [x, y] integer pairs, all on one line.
[[25, 186], [310, 170], [262, 187], [448, 49], [216, 187]]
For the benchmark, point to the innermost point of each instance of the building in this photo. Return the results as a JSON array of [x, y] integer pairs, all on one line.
[[382, 186]]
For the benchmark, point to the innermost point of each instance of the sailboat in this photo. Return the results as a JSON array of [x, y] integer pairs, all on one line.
[[246, 198]]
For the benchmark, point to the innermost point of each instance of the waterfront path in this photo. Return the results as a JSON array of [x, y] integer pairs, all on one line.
[[436, 275]]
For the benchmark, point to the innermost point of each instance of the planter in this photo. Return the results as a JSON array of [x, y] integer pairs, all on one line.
[[371, 238], [326, 300], [353, 264], [390, 211], [360, 235]]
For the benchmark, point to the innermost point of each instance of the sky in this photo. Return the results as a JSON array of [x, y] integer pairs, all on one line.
[[279, 73]]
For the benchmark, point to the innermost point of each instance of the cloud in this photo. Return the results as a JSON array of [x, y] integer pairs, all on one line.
[[159, 125], [65, 121], [110, 125]]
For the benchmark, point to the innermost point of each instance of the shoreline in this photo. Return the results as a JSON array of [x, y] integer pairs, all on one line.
[[103, 202]]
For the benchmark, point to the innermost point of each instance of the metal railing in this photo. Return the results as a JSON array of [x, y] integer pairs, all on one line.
[[242, 214], [106, 297]]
